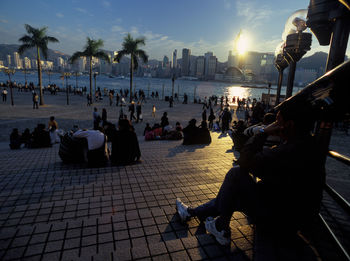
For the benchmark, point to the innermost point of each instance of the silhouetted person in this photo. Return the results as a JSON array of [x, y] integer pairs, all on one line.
[[125, 146], [15, 139], [291, 177]]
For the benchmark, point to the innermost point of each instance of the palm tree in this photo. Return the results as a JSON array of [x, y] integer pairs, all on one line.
[[37, 38], [131, 46], [91, 49]]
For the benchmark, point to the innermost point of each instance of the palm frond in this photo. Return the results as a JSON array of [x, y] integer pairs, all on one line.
[[51, 39], [24, 47], [76, 56], [140, 41], [142, 54], [26, 39], [120, 55], [102, 55]]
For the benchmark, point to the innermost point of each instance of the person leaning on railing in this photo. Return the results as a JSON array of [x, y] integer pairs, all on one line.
[[290, 187]]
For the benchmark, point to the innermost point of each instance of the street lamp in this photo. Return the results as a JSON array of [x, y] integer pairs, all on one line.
[[329, 21], [297, 44], [10, 72], [280, 63], [66, 75]]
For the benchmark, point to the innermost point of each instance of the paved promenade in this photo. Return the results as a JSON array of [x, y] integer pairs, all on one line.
[[52, 211]]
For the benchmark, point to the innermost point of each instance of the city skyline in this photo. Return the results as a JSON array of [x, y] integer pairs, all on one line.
[[201, 26]]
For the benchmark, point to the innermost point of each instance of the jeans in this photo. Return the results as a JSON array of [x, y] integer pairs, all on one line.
[[238, 192]]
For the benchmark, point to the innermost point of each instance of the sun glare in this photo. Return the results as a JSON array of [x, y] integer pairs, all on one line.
[[242, 44]]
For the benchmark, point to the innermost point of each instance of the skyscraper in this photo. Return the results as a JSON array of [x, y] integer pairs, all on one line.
[[8, 61], [165, 61], [186, 53], [17, 60], [200, 66], [175, 59], [27, 64], [206, 65], [231, 60]]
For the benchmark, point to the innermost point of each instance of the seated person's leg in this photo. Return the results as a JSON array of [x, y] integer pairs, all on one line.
[[237, 193]]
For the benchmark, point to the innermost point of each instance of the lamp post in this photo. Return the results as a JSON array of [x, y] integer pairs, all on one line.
[[10, 72], [173, 82], [280, 63], [66, 75], [330, 22], [297, 44], [76, 74]]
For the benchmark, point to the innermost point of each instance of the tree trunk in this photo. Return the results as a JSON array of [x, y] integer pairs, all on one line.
[[131, 75], [90, 65], [39, 76], [11, 90]]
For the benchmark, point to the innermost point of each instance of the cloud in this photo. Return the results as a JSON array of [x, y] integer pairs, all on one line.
[[106, 4], [227, 4], [81, 10], [252, 14], [117, 28], [3, 21], [59, 15], [134, 30]]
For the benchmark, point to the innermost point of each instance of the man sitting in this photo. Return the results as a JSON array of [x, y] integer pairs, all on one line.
[[291, 178]]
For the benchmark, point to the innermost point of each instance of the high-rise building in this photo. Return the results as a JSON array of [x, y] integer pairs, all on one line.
[[165, 61], [175, 59], [186, 53], [207, 56], [16, 60], [193, 65], [81, 63], [231, 61], [200, 66], [212, 61], [9, 61], [27, 64]]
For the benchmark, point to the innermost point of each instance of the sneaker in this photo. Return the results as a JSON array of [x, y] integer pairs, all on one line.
[[223, 237], [182, 210]]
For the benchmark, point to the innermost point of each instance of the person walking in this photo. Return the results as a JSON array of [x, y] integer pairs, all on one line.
[[111, 98], [138, 112], [35, 101], [154, 111], [132, 111], [97, 118], [4, 95]]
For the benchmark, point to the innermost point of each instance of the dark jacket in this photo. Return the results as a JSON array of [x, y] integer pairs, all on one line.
[[125, 148], [291, 176]]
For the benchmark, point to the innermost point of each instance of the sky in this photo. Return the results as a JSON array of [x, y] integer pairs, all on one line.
[[200, 25]]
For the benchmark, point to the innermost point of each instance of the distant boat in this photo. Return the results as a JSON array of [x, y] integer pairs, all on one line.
[[120, 77]]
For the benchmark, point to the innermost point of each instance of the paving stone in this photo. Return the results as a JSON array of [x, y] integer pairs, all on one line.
[[139, 252]]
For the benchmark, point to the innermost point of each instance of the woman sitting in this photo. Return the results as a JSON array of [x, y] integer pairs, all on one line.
[[15, 140], [125, 146], [196, 135], [40, 137]]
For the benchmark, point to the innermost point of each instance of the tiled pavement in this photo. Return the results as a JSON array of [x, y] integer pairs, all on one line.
[[51, 211]]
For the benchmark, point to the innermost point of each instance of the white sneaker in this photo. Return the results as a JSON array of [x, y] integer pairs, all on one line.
[[223, 237], [182, 210]]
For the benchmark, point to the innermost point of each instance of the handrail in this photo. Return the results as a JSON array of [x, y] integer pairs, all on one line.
[[338, 198], [342, 158], [346, 255]]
